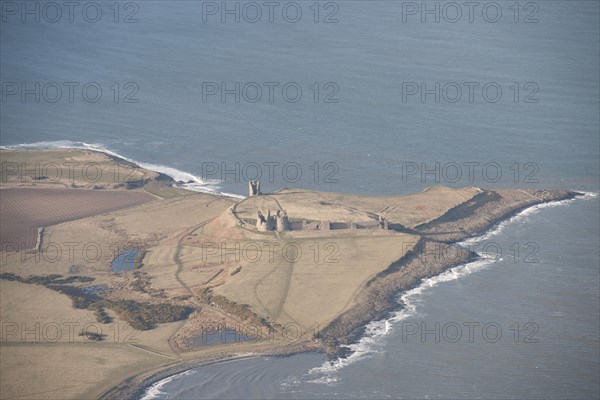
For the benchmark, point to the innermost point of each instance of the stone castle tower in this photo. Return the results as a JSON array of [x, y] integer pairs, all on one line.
[[282, 222], [253, 188], [268, 223], [264, 224]]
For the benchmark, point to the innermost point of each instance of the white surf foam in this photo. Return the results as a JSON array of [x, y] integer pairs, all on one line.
[[191, 182], [373, 339], [154, 391], [523, 214]]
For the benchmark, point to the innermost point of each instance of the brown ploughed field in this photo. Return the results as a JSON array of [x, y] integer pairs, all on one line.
[[24, 210]]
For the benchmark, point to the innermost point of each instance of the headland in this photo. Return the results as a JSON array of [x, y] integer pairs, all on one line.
[[214, 278]]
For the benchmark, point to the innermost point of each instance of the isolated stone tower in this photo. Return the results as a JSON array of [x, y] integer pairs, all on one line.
[[253, 188]]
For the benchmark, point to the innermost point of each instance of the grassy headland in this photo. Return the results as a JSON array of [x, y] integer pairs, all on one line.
[[205, 268]]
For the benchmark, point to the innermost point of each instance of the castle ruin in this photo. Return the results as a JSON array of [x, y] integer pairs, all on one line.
[[282, 221], [254, 188], [265, 224], [279, 222], [384, 223]]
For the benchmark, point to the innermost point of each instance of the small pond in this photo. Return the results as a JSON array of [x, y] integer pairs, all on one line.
[[125, 261]]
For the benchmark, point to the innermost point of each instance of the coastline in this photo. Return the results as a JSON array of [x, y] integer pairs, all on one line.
[[349, 327], [179, 179], [379, 299], [138, 387]]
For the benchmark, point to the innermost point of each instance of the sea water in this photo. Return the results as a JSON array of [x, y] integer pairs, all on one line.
[[370, 137]]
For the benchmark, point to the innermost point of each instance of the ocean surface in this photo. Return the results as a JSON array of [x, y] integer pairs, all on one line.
[[370, 120]]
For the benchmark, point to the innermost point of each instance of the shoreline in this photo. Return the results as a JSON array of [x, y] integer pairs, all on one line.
[[127, 389], [137, 387], [130, 390], [377, 299], [350, 328], [177, 178]]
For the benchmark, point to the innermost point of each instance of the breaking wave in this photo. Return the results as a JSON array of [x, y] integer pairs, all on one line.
[[155, 391], [372, 341]]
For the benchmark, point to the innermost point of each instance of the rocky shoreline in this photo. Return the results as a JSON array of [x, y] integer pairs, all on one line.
[[436, 252]]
